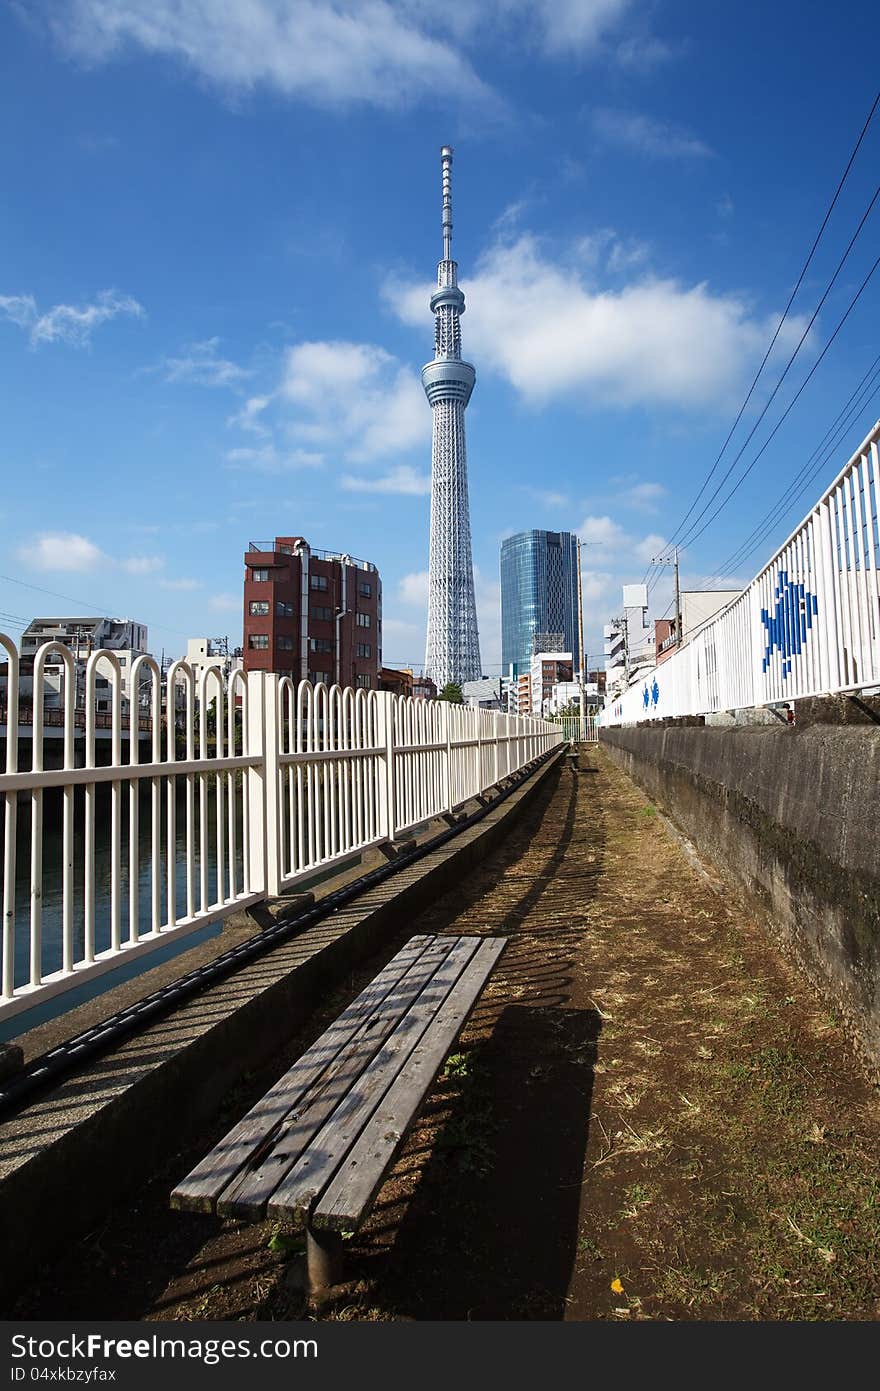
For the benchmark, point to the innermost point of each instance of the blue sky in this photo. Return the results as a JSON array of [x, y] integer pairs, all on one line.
[[221, 227]]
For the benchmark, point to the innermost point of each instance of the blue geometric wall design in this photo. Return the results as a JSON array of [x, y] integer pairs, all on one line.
[[652, 695], [787, 626]]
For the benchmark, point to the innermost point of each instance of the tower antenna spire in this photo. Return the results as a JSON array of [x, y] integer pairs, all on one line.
[[446, 165]]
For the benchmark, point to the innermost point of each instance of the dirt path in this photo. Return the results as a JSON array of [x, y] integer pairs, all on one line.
[[648, 1117]]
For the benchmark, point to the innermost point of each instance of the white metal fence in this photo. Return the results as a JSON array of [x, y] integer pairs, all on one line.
[[580, 729], [807, 625], [262, 784]]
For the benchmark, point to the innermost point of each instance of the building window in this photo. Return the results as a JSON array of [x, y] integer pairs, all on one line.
[[364, 620], [365, 588], [284, 642], [325, 615], [283, 610], [319, 582], [320, 645], [258, 642], [101, 683], [316, 677], [362, 680], [260, 573], [259, 607], [123, 661], [364, 649]]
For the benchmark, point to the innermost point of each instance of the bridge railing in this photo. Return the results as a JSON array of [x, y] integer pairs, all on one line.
[[261, 784], [807, 625]]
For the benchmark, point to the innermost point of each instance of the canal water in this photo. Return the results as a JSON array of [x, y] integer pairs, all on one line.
[[52, 885]]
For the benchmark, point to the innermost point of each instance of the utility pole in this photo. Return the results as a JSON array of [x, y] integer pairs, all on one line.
[[664, 560], [581, 632]]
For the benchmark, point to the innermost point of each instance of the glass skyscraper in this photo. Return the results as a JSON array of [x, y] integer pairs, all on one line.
[[538, 594]]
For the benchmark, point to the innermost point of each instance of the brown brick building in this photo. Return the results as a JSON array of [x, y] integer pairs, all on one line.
[[312, 614]]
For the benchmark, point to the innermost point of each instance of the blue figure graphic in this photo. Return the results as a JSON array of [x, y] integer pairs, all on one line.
[[786, 628], [655, 691], [646, 698]]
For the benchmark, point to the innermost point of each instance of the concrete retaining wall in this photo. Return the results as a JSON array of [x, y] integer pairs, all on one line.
[[793, 814]]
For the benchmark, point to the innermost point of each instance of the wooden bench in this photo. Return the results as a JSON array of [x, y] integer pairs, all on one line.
[[315, 1149]]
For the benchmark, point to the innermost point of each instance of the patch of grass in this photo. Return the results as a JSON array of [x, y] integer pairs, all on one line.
[[638, 1196], [457, 1065], [691, 1286]]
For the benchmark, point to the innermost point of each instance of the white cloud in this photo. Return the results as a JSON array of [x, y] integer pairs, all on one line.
[[644, 497], [62, 550], [641, 55], [225, 603], [657, 139], [414, 588], [404, 480], [601, 532], [649, 546], [66, 323], [385, 53], [606, 540], [143, 564], [248, 418], [201, 365], [650, 341], [269, 459], [181, 584], [355, 397], [332, 55], [547, 497]]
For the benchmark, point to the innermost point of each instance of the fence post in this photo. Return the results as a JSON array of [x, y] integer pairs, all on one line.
[[446, 713], [387, 799], [264, 848]]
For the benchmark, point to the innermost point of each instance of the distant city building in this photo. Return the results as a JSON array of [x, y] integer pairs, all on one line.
[[397, 681], [487, 694], [538, 596], [124, 637], [548, 669], [313, 615], [424, 688]]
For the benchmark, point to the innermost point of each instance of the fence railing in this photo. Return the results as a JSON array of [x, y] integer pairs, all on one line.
[[579, 729], [807, 625], [267, 783]]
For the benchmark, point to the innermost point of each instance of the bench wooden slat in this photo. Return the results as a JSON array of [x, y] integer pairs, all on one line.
[[347, 1199], [199, 1191], [310, 1175], [247, 1194]]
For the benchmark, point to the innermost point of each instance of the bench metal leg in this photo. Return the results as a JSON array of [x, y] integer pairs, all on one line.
[[323, 1261]]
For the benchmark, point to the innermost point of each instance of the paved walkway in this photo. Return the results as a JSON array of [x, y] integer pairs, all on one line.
[[649, 1116]]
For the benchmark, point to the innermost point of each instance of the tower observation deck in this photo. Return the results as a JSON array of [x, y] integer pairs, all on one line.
[[453, 645]]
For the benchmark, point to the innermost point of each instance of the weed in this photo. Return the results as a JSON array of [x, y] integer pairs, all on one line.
[[457, 1065]]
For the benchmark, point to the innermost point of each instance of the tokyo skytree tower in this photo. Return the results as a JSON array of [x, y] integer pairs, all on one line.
[[453, 647]]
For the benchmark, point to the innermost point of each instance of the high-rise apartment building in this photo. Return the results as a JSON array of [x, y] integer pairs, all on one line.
[[538, 595], [313, 615]]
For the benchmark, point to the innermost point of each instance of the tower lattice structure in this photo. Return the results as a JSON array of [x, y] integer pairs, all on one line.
[[453, 646]]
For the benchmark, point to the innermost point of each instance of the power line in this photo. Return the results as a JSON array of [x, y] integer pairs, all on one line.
[[95, 608], [694, 536], [804, 268], [690, 535], [827, 446]]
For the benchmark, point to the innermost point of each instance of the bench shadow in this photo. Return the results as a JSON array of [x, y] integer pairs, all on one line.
[[491, 1229]]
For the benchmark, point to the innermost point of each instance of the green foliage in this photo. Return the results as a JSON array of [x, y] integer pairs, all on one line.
[[452, 692]]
